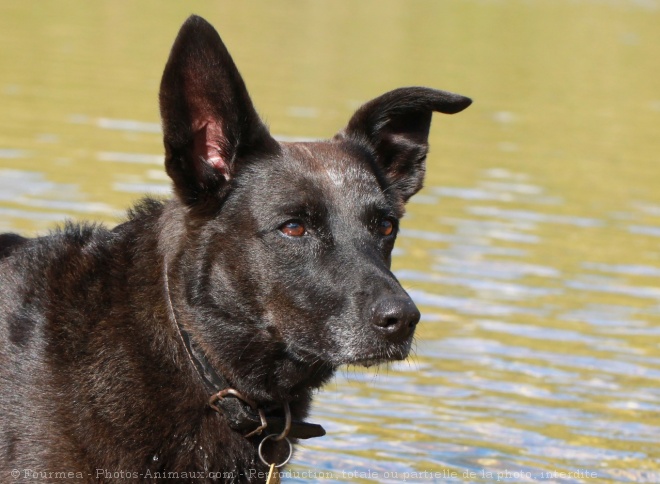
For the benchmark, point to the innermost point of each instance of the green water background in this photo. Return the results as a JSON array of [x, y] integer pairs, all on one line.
[[533, 251]]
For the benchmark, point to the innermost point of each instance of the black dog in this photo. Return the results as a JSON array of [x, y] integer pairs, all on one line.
[[157, 348]]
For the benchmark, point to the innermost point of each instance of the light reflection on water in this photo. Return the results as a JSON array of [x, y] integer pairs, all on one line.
[[533, 251], [518, 380]]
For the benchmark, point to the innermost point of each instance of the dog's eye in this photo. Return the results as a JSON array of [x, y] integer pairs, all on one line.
[[293, 228], [386, 227]]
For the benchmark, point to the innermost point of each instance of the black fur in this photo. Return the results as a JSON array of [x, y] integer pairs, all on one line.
[[277, 260]]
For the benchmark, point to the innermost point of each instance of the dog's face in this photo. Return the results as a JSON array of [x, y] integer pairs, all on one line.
[[286, 256], [315, 230]]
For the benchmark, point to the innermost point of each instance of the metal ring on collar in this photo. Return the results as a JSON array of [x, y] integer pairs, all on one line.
[[272, 436]]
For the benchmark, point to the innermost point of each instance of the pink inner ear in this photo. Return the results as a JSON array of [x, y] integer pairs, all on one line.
[[207, 149]]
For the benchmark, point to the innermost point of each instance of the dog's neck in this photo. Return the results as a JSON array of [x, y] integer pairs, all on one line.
[[210, 378], [242, 414]]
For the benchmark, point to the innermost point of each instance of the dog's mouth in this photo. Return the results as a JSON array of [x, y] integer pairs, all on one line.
[[379, 358], [378, 355], [365, 358], [368, 362]]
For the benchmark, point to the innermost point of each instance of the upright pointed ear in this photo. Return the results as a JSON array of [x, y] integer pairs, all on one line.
[[209, 122], [395, 128]]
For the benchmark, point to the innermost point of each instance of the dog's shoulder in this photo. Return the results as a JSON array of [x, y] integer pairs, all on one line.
[[34, 272], [44, 267], [31, 254], [59, 280], [76, 239]]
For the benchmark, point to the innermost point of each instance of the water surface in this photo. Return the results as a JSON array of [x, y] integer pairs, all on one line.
[[533, 251]]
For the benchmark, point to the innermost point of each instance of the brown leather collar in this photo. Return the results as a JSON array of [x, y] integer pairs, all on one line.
[[241, 413]]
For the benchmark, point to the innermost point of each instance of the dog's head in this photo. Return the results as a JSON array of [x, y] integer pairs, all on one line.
[[283, 266]]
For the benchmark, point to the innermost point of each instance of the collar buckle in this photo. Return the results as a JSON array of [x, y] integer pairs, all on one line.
[[218, 399]]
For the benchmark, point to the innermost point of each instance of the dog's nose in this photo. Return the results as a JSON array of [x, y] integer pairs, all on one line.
[[395, 318]]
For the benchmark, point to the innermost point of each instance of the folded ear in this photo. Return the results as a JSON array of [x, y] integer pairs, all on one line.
[[208, 119], [395, 128]]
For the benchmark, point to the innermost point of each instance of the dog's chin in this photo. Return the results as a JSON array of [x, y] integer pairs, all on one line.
[[365, 357], [369, 362], [377, 357]]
